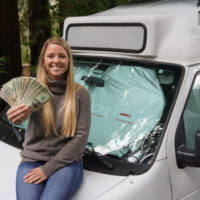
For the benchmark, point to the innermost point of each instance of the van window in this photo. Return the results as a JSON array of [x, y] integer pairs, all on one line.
[[109, 37], [130, 102], [191, 116]]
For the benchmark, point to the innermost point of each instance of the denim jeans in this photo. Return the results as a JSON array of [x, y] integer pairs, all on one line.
[[61, 185]]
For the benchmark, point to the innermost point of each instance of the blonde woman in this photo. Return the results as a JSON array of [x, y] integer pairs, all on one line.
[[51, 166]]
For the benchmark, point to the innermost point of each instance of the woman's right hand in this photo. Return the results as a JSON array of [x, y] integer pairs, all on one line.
[[18, 114]]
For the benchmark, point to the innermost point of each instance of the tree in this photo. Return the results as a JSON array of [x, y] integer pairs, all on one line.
[[39, 26], [10, 52], [24, 30]]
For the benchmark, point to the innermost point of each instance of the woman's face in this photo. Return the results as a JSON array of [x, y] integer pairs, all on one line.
[[56, 62]]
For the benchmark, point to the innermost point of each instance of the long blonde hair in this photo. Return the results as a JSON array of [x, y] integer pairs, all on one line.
[[69, 105]]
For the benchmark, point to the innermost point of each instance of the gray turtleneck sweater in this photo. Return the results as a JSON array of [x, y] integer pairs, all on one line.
[[57, 151]]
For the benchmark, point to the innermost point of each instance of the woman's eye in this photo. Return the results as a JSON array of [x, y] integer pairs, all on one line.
[[62, 56], [58, 56], [49, 56]]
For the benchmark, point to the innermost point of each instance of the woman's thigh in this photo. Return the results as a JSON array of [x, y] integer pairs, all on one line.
[[64, 183], [27, 191]]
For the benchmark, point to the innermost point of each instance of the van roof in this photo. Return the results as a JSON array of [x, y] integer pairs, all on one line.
[[172, 29], [161, 7]]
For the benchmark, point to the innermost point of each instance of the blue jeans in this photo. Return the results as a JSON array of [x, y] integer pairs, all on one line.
[[61, 185]]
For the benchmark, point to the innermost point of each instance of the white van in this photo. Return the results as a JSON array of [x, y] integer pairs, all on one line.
[[141, 65]]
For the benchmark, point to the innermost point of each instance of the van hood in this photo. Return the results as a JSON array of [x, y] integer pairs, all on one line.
[[154, 184], [95, 184]]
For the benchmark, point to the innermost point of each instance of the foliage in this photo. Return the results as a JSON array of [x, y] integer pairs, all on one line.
[[3, 61], [33, 70]]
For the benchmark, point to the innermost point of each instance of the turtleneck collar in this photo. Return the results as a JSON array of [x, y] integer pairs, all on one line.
[[56, 86]]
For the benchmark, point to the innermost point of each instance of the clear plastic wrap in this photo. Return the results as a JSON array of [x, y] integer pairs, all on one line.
[[126, 109]]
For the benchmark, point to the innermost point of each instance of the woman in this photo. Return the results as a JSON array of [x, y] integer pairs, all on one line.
[[51, 167]]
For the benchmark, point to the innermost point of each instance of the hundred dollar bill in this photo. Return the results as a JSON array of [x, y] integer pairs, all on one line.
[[25, 90], [38, 100]]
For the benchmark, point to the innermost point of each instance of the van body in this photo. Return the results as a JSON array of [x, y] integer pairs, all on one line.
[[141, 64]]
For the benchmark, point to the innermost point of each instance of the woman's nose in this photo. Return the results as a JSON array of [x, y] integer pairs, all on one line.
[[56, 59]]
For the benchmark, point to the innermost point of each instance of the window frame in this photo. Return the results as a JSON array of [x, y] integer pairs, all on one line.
[[180, 72], [180, 138]]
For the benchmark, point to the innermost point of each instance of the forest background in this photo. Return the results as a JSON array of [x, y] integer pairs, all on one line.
[[26, 24]]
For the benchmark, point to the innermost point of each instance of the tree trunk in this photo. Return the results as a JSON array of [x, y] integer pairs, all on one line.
[[10, 40], [39, 26]]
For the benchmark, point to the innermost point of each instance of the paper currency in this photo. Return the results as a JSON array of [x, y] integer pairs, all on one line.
[[25, 90]]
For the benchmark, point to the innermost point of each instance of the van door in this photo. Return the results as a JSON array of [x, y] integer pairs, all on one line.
[[185, 122]]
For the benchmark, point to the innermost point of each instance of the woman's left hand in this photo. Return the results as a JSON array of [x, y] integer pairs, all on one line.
[[35, 176]]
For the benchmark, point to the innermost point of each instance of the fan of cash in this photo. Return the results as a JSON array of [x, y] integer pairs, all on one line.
[[25, 90]]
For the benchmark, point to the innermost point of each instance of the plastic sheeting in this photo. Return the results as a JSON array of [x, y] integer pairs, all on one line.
[[191, 115], [125, 110]]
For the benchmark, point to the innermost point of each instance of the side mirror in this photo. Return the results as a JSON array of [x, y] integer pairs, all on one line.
[[11, 136], [94, 81], [187, 157]]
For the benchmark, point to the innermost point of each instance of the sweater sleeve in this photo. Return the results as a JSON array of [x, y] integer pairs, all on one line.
[[74, 148]]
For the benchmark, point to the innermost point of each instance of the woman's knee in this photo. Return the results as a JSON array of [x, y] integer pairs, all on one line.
[[64, 183], [24, 190]]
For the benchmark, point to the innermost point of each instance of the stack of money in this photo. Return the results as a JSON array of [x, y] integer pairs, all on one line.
[[25, 90]]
